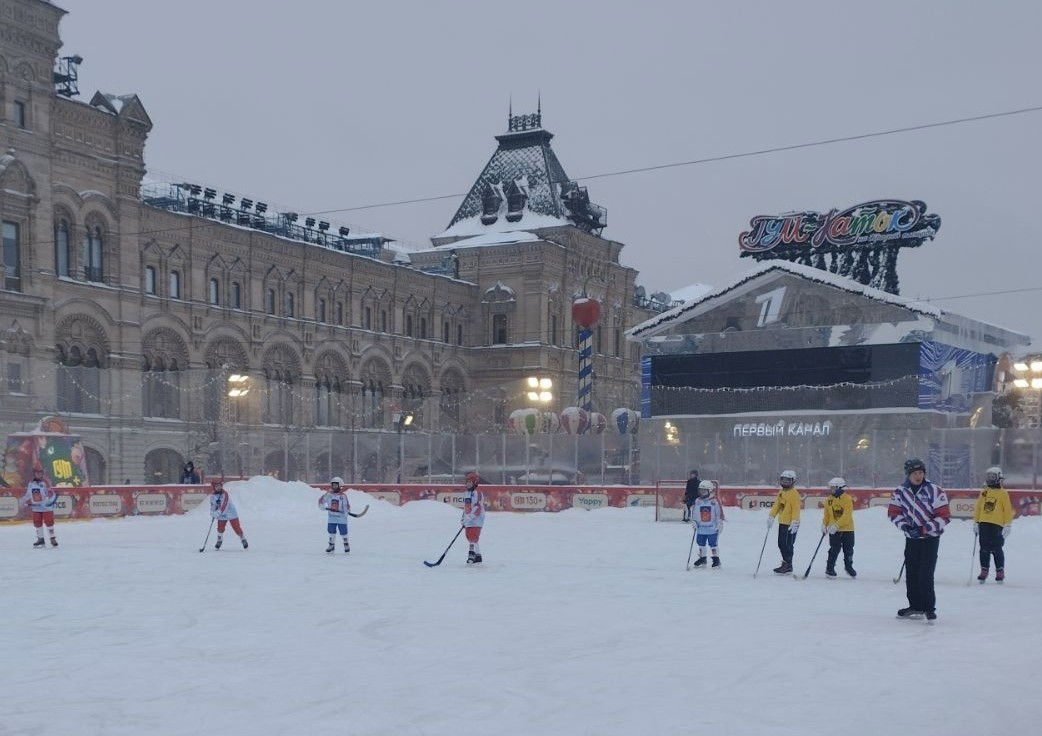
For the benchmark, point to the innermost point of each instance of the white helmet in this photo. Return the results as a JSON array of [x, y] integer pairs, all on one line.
[[993, 476], [787, 478], [837, 483], [336, 483], [705, 488]]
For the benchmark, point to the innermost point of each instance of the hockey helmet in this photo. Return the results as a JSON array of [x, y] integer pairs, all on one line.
[[993, 476], [336, 483], [836, 485], [913, 464], [787, 478], [217, 485], [473, 477], [705, 488]]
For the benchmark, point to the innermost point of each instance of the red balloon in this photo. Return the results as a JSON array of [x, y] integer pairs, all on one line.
[[586, 311]]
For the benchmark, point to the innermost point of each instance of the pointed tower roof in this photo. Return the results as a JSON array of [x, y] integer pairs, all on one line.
[[524, 187]]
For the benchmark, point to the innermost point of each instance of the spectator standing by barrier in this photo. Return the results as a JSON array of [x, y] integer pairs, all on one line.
[[189, 474], [992, 521], [690, 493], [919, 508]]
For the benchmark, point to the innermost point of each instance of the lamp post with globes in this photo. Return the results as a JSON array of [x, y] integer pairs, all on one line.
[[238, 388], [1028, 376], [540, 394]]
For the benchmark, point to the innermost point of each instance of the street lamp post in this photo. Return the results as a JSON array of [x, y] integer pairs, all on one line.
[[540, 393], [1029, 376], [238, 387]]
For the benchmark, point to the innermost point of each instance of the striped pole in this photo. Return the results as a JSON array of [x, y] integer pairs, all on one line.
[[585, 401]]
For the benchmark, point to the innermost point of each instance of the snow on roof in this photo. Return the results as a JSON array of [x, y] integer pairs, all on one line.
[[529, 221], [690, 293], [808, 272]]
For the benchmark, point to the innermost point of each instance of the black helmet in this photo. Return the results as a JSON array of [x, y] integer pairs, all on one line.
[[914, 464]]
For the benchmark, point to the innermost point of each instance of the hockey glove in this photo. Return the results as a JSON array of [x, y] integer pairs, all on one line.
[[794, 527], [914, 532], [832, 529], [976, 528], [1006, 530], [770, 521]]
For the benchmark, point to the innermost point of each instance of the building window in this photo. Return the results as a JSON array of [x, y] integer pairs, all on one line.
[[459, 334], [150, 280], [93, 258], [340, 313], [553, 329], [289, 303], [499, 329], [322, 310], [18, 114], [600, 341], [175, 285], [12, 257], [269, 304], [445, 331], [367, 318], [61, 249], [408, 325], [160, 389], [215, 292], [14, 378], [383, 320], [236, 295], [617, 337], [423, 328], [79, 380]]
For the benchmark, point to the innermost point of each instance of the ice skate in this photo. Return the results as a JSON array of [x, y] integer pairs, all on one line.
[[850, 570], [347, 547], [217, 544], [909, 613], [245, 544], [984, 575], [39, 542], [477, 559], [471, 557], [830, 570], [700, 562], [331, 547], [931, 615], [716, 561], [784, 568], [54, 541], [1000, 575]]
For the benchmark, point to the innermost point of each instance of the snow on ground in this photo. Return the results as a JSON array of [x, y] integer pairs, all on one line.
[[581, 622]]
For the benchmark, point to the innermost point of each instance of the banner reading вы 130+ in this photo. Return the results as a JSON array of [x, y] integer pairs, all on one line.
[[863, 240]]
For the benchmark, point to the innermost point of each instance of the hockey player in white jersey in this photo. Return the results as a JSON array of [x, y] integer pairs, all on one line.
[[708, 521], [337, 507], [223, 510], [41, 498]]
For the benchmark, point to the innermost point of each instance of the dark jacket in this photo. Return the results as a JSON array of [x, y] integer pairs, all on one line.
[[691, 490], [190, 474]]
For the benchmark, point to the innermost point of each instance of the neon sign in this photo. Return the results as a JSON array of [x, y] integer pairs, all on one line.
[[863, 240]]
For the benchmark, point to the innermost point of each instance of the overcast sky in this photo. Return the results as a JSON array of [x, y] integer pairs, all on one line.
[[322, 106]]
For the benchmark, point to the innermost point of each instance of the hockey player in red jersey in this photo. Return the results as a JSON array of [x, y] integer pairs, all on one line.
[[473, 516], [41, 499], [222, 509]]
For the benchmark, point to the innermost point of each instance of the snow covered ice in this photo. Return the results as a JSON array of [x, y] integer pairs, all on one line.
[[581, 622]]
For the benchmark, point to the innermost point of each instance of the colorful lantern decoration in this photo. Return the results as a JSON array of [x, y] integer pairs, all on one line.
[[585, 313], [524, 421], [551, 422], [574, 420], [625, 420], [598, 422]]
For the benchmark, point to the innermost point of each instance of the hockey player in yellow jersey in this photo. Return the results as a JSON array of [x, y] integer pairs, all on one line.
[[838, 523], [992, 520], [786, 510]]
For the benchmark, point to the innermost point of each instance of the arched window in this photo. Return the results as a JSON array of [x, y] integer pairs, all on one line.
[[269, 302], [408, 325], [150, 280], [175, 285], [499, 329], [289, 303], [215, 292], [236, 295], [93, 256], [62, 253], [79, 379]]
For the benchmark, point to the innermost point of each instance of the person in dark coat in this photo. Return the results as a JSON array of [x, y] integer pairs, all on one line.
[[190, 474], [691, 493]]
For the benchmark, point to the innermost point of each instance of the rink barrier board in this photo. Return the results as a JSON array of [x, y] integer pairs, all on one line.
[[121, 501]]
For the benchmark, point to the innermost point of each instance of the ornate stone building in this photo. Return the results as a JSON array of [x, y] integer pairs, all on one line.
[[165, 323]]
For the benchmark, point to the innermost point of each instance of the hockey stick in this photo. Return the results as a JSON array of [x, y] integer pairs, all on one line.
[[972, 556], [207, 534], [761, 551], [900, 574], [814, 556], [691, 549], [435, 564], [360, 514]]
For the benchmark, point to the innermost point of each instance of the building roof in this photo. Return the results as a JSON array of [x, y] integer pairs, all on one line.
[[524, 187]]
